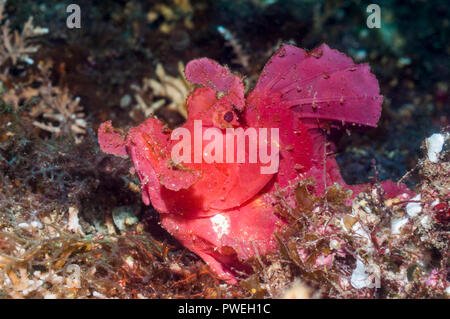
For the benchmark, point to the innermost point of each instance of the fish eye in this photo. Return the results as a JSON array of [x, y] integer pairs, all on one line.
[[228, 116]]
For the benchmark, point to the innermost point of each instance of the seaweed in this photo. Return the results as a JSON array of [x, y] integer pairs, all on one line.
[[324, 239]]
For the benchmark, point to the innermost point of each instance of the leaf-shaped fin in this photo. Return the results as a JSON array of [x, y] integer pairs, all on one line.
[[242, 181], [295, 141], [152, 141], [222, 185], [202, 105], [111, 141], [211, 74], [322, 84], [225, 238], [281, 70]]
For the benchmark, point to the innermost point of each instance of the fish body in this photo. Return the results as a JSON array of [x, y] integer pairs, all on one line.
[[224, 212]]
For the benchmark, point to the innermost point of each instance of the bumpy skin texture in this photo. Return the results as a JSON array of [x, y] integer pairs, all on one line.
[[223, 212]]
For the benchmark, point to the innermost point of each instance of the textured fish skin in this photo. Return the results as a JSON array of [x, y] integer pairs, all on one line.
[[224, 212]]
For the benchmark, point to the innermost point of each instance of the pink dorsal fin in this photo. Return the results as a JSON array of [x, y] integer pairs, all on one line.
[[323, 84], [111, 141]]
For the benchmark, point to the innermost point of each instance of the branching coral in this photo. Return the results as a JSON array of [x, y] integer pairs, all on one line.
[[58, 113], [19, 96], [53, 109], [183, 12], [17, 46], [166, 90]]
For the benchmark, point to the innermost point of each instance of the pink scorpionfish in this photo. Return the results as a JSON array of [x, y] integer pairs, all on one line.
[[224, 212]]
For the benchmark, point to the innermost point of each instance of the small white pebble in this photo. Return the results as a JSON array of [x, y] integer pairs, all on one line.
[[129, 261], [124, 217], [98, 295], [359, 276], [23, 225], [335, 245], [434, 146], [425, 221], [125, 101], [36, 224], [413, 209]]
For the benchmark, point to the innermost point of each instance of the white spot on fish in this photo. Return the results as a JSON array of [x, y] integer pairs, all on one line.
[[221, 225]]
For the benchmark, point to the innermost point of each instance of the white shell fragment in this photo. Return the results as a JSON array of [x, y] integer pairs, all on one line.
[[359, 277], [413, 209], [434, 146]]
